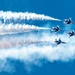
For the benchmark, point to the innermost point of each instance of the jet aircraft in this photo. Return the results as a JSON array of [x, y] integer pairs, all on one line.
[[68, 21], [59, 42], [56, 29], [71, 33]]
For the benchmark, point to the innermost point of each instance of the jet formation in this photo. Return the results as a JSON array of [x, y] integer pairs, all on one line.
[[57, 28]]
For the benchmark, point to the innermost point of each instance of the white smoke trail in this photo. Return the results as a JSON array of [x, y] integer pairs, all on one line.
[[18, 28], [8, 15], [10, 44]]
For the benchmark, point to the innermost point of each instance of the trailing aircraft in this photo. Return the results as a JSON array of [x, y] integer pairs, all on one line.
[[59, 41]]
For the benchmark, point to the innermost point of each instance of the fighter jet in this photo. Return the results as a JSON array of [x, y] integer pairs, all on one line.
[[59, 42], [56, 29], [68, 21], [71, 33]]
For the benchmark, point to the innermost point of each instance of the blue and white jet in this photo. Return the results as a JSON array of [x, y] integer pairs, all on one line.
[[68, 21], [59, 42], [71, 33], [56, 29]]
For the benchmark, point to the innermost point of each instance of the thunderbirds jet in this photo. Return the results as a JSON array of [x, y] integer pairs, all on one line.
[[71, 33], [59, 42], [68, 21], [56, 29]]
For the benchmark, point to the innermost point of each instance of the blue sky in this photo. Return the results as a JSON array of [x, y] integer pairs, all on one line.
[[60, 9]]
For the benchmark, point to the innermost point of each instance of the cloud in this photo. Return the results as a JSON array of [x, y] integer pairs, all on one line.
[[33, 53], [63, 52], [6, 66], [13, 16]]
